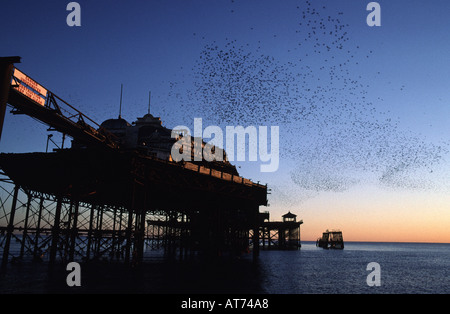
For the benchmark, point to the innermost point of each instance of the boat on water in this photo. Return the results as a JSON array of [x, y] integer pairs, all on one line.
[[331, 240]]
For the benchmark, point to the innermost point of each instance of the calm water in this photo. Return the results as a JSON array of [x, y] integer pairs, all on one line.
[[405, 268]]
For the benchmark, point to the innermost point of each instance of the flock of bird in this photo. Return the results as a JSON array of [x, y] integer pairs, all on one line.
[[332, 128]]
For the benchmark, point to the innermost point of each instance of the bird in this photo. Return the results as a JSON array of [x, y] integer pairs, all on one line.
[[323, 95]]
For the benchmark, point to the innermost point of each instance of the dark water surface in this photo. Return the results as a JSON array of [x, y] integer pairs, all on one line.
[[405, 268]]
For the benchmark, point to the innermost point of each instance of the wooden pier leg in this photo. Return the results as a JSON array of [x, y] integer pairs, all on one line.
[[98, 231], [25, 227], [140, 235], [67, 231], [91, 223], [256, 227], [256, 242], [74, 231], [55, 230], [113, 235], [119, 235], [263, 230], [10, 228], [38, 231], [128, 237]]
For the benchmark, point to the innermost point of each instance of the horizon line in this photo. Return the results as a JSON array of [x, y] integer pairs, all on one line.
[[406, 242]]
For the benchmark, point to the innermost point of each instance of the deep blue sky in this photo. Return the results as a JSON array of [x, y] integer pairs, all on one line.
[[146, 44], [373, 104]]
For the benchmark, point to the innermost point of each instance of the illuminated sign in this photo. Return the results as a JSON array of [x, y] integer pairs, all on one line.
[[29, 88]]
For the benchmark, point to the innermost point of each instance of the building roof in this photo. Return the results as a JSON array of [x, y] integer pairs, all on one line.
[[289, 215], [115, 124]]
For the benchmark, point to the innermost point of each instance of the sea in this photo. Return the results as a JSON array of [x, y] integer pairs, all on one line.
[[401, 268]]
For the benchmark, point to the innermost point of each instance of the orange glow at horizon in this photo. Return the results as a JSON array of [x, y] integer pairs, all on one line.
[[375, 216]]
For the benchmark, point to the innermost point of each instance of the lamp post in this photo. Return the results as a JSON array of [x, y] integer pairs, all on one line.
[[48, 139]]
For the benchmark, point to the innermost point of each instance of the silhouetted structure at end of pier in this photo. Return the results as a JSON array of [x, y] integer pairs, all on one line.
[[280, 235]]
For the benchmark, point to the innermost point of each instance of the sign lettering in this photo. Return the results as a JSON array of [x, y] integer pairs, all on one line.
[[29, 88]]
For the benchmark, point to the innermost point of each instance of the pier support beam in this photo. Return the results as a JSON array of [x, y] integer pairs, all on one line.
[[89, 240], [256, 234], [38, 231], [10, 227], [128, 237], [56, 230], [25, 228], [255, 242], [6, 70], [74, 231]]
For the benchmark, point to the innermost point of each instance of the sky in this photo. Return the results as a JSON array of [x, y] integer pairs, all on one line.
[[362, 111]]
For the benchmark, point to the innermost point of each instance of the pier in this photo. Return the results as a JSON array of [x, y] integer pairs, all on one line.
[[106, 199]]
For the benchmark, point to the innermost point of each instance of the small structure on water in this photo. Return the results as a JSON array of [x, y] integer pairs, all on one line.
[[331, 240], [280, 235]]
